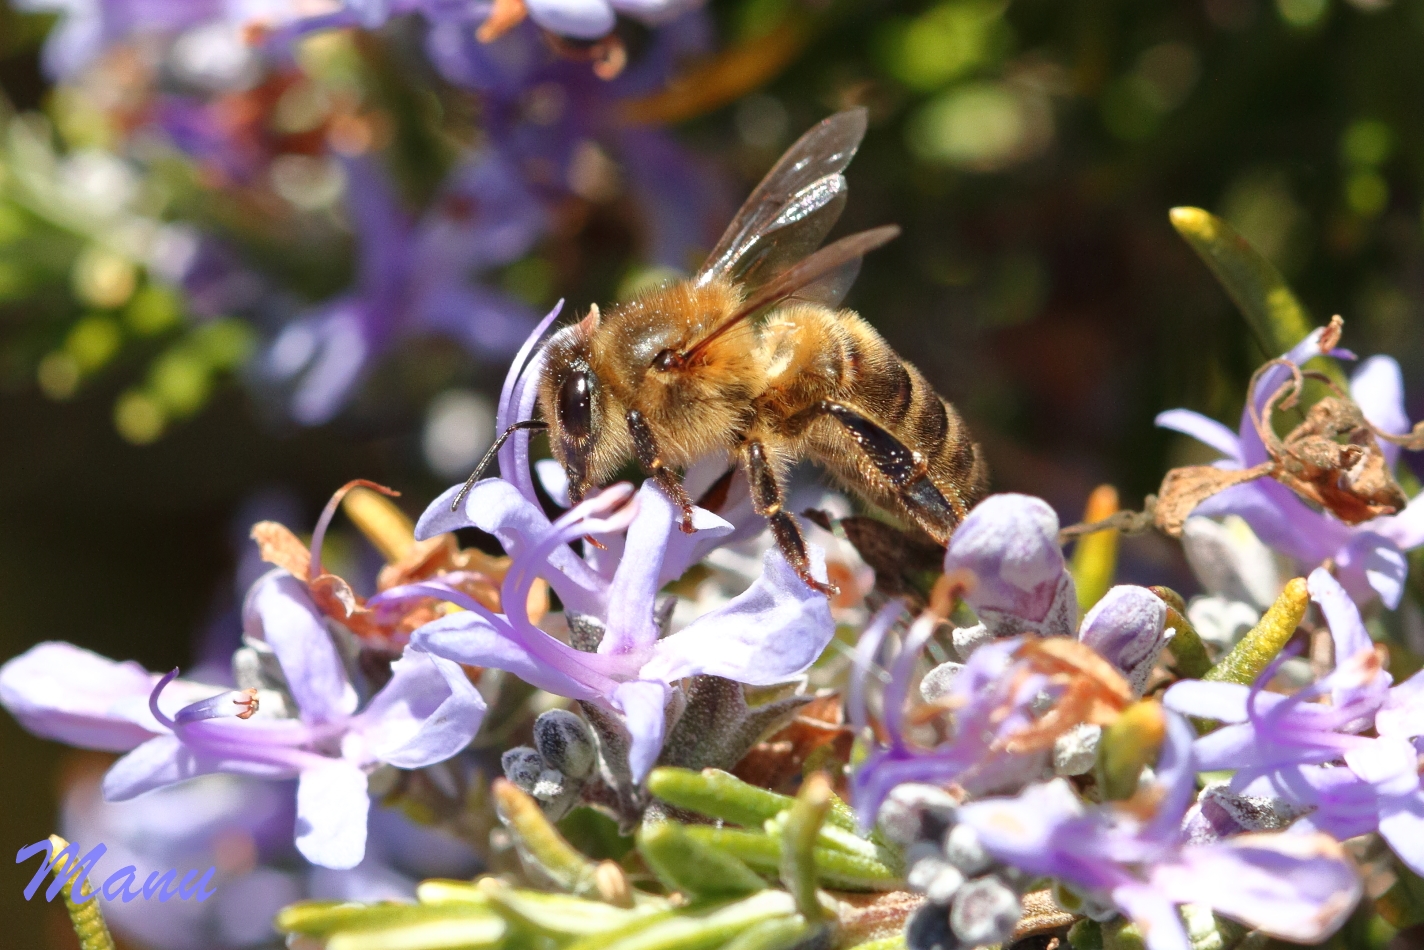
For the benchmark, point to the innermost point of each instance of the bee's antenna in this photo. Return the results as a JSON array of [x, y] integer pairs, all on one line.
[[535, 424]]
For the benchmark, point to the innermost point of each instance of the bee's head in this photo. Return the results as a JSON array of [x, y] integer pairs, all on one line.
[[577, 406]]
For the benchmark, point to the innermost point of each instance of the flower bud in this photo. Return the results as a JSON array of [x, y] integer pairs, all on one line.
[[985, 911], [1126, 628], [1009, 547], [937, 681], [963, 849], [913, 812], [566, 743], [1076, 751], [936, 878], [928, 929], [523, 766]]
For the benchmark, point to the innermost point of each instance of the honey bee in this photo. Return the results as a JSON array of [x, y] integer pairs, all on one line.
[[751, 358]]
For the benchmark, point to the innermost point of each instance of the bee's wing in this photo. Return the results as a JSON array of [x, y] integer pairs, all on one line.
[[824, 275], [793, 209]]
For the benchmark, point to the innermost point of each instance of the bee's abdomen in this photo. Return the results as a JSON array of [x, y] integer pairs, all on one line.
[[896, 396]]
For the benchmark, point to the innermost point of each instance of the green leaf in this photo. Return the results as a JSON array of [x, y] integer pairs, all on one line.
[[1275, 316], [834, 868], [684, 864], [441, 933], [325, 918], [697, 927], [719, 794], [541, 847], [799, 835], [559, 915]]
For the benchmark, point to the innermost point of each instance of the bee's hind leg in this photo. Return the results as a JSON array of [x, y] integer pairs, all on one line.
[[651, 460], [905, 471], [767, 500]]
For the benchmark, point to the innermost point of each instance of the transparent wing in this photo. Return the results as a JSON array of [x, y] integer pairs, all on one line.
[[824, 275], [793, 209]]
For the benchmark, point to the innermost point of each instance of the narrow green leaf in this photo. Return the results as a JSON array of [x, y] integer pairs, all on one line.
[[325, 918], [719, 794], [441, 891], [799, 836], [1275, 316], [540, 845], [453, 933], [559, 915], [684, 864], [834, 868], [697, 928], [779, 933], [1265, 640]]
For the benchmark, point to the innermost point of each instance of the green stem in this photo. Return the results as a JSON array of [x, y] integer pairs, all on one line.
[[798, 844]]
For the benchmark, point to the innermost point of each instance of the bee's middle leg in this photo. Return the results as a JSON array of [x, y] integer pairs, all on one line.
[[651, 459], [767, 499]]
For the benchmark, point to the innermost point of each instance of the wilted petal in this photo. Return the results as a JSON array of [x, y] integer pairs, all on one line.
[[772, 631], [1204, 430], [280, 610], [1009, 545], [1378, 389], [428, 712], [1294, 886], [59, 691], [332, 805], [1127, 628], [466, 637], [643, 706]]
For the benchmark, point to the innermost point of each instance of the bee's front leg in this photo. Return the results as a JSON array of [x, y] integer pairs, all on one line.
[[767, 499], [651, 460]]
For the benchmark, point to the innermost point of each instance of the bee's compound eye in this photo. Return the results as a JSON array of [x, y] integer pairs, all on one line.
[[576, 405]]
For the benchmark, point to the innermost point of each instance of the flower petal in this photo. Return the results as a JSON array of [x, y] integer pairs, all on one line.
[[1378, 389], [1347, 630], [1204, 430], [576, 19], [1294, 886], [60, 691], [1225, 702], [162, 760], [1402, 825], [643, 706], [496, 507], [771, 632], [280, 610], [428, 712], [1405, 529], [1154, 914], [332, 805], [1372, 564], [466, 637]]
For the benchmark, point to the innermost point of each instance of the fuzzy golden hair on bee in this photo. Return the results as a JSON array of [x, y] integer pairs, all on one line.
[[750, 359]]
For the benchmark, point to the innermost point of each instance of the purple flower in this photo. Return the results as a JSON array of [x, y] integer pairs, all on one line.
[[427, 712], [86, 27], [1313, 754], [769, 634], [1016, 576], [583, 144], [994, 695], [1369, 557], [1134, 857], [412, 279]]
